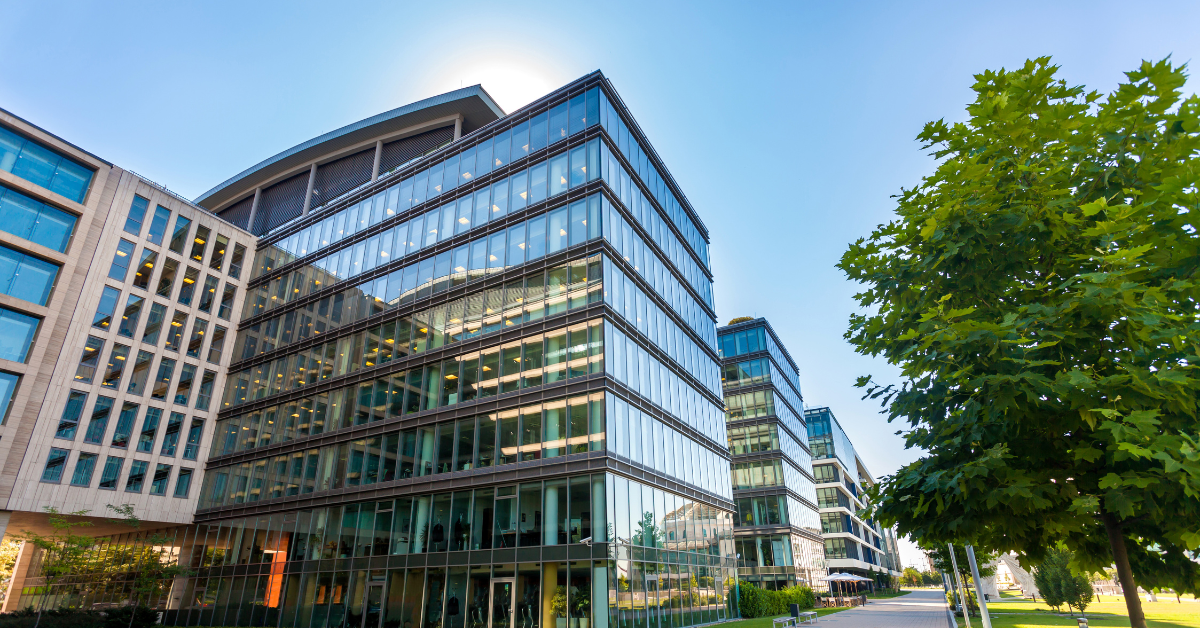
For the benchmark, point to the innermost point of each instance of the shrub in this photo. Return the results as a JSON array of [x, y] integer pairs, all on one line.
[[756, 602], [73, 618]]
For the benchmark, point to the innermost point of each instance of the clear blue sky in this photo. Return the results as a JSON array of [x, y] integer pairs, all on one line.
[[788, 125]]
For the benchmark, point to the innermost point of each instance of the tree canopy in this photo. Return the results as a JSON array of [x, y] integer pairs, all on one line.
[[1038, 292]]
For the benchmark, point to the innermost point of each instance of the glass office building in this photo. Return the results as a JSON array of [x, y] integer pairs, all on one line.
[[777, 530], [852, 544], [474, 384]]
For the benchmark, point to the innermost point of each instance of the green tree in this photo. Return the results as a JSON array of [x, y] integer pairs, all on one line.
[[63, 553], [154, 567], [912, 577], [1038, 292], [1059, 584]]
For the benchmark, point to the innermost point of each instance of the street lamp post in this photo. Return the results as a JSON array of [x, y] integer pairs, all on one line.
[[983, 611], [962, 590]]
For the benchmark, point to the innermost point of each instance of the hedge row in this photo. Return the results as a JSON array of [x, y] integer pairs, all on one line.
[[756, 602]]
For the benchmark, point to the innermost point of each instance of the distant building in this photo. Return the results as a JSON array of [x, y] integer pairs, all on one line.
[[852, 544], [777, 531]]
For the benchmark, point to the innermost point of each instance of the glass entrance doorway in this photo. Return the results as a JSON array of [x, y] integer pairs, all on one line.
[[373, 606], [501, 614]]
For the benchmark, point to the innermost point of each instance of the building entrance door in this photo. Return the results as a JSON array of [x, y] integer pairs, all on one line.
[[501, 606], [373, 606]]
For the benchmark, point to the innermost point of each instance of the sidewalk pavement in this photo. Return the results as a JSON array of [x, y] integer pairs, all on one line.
[[919, 609]]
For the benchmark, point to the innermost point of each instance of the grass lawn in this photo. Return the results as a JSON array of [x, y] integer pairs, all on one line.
[[1012, 612]]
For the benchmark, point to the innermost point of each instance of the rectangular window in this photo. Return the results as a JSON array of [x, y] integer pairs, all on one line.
[[183, 483], [145, 268], [55, 463], [188, 290], [125, 420], [171, 434], [137, 476], [117, 359], [98, 423], [84, 466], [149, 431], [226, 308], [175, 331], [17, 331], [162, 475], [26, 277], [35, 221], [235, 266], [158, 226], [69, 422], [192, 449], [141, 371], [179, 234], [208, 294], [137, 214], [196, 342], [217, 345], [121, 260], [129, 318], [218, 256], [183, 392], [40, 165], [167, 280], [162, 383], [204, 395], [154, 322], [200, 243], [111, 473], [8, 387], [86, 370], [107, 307]]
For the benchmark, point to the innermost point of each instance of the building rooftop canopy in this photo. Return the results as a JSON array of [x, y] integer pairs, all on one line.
[[473, 103]]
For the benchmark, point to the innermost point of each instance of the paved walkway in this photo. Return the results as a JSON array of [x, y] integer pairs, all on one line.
[[919, 609]]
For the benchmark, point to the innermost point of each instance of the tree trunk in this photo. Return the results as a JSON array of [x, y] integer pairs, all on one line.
[[1116, 539]]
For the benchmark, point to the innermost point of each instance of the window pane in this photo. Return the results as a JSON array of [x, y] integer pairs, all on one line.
[[179, 234], [90, 359], [183, 483], [158, 226], [35, 221], [218, 256], [129, 318], [209, 294], [145, 268], [200, 243], [8, 386], [137, 214], [16, 334], [188, 290], [26, 277], [84, 467], [116, 366], [137, 476], [69, 423], [111, 473], [54, 465], [121, 260], [175, 331], [162, 382], [154, 322], [162, 475]]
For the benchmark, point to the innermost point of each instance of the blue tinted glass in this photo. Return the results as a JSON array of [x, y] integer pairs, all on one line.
[[558, 123], [40, 165], [8, 385], [137, 214], [537, 132], [158, 226], [35, 221], [578, 114], [26, 277]]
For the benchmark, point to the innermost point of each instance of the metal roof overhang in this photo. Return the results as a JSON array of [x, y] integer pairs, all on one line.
[[473, 103]]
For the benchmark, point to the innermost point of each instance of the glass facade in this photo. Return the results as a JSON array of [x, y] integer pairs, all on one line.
[[482, 390], [777, 528], [43, 166], [856, 544]]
